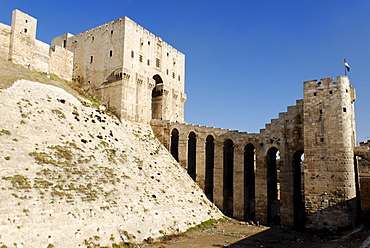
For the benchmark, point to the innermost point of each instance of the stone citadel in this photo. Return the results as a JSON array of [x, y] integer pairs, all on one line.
[[141, 78]]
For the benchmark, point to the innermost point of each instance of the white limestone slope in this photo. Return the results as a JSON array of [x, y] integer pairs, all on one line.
[[71, 175]]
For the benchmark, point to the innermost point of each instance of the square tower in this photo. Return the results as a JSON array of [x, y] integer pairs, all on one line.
[[22, 38], [135, 73]]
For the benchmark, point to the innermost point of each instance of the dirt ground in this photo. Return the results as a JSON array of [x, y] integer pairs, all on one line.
[[233, 234]]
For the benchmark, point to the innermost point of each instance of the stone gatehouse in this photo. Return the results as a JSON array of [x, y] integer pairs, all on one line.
[[300, 170]]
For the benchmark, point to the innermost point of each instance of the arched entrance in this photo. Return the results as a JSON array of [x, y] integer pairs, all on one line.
[[273, 203], [228, 180], [298, 197], [157, 95], [192, 146], [249, 182], [210, 165], [175, 144]]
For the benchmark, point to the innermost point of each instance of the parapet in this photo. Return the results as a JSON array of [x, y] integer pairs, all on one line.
[[327, 82]]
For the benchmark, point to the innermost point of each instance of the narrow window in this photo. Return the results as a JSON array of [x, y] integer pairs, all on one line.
[[132, 54], [168, 54], [157, 62], [322, 139], [314, 94], [26, 21], [149, 43], [91, 59], [148, 62], [64, 44], [167, 71], [92, 38], [141, 58], [344, 109], [173, 75], [331, 92], [110, 53], [25, 30], [320, 111], [179, 78], [111, 32]]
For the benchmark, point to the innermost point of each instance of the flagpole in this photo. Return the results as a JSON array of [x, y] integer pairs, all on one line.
[[345, 69]]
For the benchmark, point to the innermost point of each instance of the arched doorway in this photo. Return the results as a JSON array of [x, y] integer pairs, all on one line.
[[228, 180], [192, 146], [273, 201], [298, 197], [249, 182], [157, 95], [175, 144], [210, 165]]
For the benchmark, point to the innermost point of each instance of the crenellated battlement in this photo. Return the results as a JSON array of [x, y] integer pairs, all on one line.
[[342, 81]]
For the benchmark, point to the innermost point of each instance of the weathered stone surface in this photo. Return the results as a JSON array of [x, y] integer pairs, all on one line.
[[135, 73], [71, 173]]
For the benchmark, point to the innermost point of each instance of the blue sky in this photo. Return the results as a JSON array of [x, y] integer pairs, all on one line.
[[246, 61]]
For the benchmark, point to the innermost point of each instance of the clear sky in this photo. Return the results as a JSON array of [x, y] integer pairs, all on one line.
[[246, 60]]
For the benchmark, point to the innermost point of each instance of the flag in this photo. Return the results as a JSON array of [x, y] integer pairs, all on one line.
[[346, 65]]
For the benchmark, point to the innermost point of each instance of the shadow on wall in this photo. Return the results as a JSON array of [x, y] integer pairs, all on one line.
[[289, 237]]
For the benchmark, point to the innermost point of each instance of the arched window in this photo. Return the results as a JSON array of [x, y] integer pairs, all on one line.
[[157, 98]]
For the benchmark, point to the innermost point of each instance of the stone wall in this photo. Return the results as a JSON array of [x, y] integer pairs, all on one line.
[[5, 31], [243, 192], [61, 62], [18, 44]]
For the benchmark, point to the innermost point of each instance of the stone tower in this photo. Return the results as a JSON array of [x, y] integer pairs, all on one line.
[[22, 38], [135, 73], [329, 140]]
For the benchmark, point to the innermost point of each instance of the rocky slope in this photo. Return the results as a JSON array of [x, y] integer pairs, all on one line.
[[72, 176]]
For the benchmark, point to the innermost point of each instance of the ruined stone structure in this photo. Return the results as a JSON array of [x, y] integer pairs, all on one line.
[[18, 44], [136, 74], [259, 176]]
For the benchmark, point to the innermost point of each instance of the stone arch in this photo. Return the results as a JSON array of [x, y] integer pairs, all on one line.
[[228, 178], [192, 148], [298, 198], [273, 203], [249, 182], [157, 98], [175, 144], [210, 165]]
